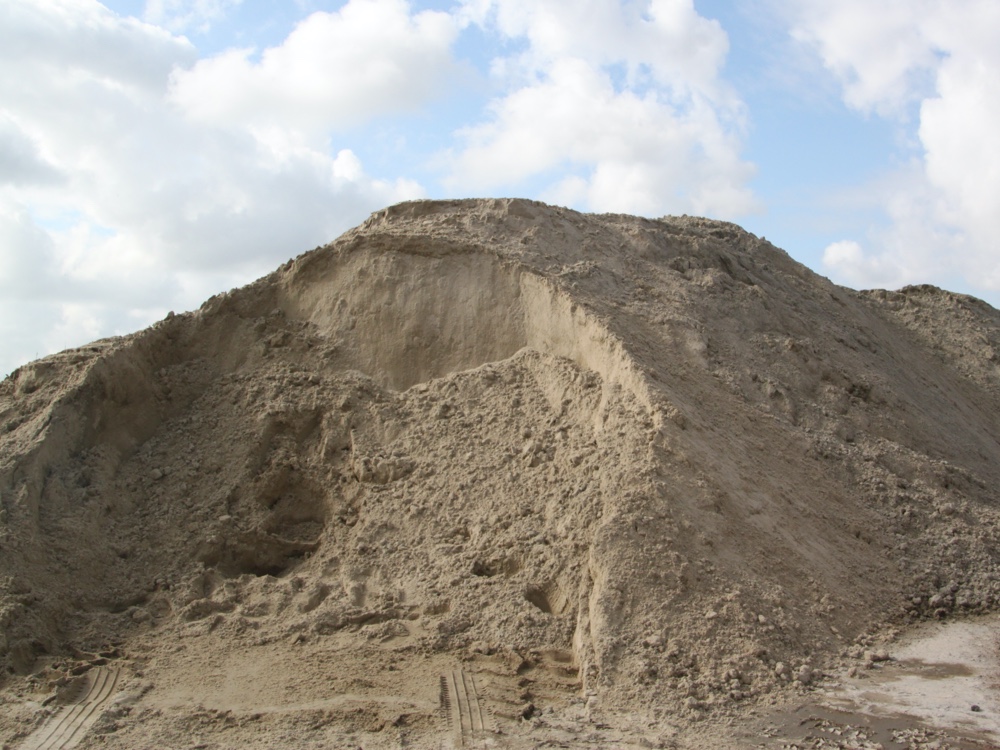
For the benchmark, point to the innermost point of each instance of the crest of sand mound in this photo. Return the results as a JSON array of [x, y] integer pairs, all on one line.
[[480, 460]]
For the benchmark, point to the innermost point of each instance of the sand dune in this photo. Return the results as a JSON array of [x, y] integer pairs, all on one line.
[[494, 473]]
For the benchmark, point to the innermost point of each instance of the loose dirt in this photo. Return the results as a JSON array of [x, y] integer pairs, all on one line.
[[498, 474]]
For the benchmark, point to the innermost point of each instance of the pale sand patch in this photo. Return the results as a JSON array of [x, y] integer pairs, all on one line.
[[937, 674]]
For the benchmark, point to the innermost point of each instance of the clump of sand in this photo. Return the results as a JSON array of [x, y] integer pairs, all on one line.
[[620, 475]]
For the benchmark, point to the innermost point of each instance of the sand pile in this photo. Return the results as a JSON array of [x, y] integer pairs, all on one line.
[[489, 472]]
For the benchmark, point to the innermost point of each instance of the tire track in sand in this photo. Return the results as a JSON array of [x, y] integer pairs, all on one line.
[[65, 728], [460, 699]]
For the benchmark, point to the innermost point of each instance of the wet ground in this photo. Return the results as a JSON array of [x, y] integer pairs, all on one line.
[[939, 690]]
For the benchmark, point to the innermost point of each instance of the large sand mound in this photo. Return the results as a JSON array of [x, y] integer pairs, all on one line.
[[493, 466]]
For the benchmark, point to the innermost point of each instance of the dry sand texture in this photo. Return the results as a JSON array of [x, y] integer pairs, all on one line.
[[494, 473]]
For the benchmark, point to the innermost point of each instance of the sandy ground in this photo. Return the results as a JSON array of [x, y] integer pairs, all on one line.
[[938, 687], [947, 675]]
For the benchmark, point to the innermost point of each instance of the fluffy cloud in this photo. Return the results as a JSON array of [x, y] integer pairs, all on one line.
[[881, 53], [849, 262], [20, 160], [935, 61], [962, 154], [611, 106], [26, 255], [75, 45], [664, 38], [178, 15], [115, 206], [369, 58]]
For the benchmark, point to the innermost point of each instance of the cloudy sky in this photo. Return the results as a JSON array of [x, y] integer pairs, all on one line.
[[155, 152]]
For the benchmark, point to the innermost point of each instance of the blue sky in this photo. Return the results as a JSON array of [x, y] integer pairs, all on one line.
[[155, 152]]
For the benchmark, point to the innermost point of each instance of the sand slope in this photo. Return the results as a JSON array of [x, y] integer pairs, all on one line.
[[491, 471]]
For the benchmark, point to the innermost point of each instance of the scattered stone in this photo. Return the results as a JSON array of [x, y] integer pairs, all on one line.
[[874, 657]]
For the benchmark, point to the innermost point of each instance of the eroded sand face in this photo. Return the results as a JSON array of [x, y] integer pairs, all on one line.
[[495, 472]]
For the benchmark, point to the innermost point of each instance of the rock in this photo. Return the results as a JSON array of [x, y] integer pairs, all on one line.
[[694, 704], [735, 677], [481, 647], [879, 655]]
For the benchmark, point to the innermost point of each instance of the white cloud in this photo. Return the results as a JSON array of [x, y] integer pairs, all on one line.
[[21, 163], [665, 39], [26, 255], [880, 52], [179, 15], [76, 323], [616, 106], [79, 46], [962, 154], [844, 253], [938, 58], [638, 153], [371, 57], [115, 207], [852, 265]]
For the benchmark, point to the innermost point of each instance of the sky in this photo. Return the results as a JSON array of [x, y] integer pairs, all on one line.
[[156, 152]]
